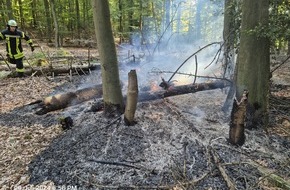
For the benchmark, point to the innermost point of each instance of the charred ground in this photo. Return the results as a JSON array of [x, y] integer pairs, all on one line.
[[178, 142]]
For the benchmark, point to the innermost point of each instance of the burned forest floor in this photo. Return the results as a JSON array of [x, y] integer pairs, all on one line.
[[179, 142]]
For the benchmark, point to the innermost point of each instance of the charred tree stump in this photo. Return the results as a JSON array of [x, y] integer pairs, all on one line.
[[132, 98], [237, 125]]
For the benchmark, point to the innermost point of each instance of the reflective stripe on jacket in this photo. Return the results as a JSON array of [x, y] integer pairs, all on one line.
[[20, 70], [13, 42]]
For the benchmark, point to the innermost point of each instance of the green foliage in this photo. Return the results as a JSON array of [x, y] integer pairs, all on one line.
[[130, 16], [278, 28]]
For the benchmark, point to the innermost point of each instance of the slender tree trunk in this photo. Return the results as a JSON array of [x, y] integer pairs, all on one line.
[[21, 19], [229, 51], [56, 35], [198, 25], [131, 23], [48, 20], [178, 17], [288, 51], [121, 29], [34, 13], [167, 6], [112, 94], [253, 66], [9, 9], [3, 16], [229, 38], [141, 22], [78, 19]]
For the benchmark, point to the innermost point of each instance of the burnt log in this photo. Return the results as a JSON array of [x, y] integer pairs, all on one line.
[[61, 101], [182, 89]]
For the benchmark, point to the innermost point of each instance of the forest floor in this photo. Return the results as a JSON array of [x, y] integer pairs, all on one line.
[[178, 142]]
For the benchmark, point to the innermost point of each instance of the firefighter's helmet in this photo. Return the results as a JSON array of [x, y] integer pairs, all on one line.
[[12, 23]]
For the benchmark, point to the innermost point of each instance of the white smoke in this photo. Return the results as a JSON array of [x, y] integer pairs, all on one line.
[[156, 53]]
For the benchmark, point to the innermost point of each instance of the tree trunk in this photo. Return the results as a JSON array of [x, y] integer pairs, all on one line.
[[288, 51], [253, 65], [229, 51], [112, 94], [167, 6], [9, 9], [229, 38], [78, 20], [34, 13], [132, 98], [120, 28], [56, 35], [198, 22], [21, 17], [48, 21]]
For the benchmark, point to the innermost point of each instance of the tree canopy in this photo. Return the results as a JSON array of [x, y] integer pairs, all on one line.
[[147, 19]]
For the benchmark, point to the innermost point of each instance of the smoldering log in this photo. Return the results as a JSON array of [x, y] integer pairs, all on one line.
[[182, 89], [61, 101]]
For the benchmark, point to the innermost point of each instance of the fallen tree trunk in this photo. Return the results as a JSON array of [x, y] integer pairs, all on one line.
[[61, 101], [58, 71], [182, 89]]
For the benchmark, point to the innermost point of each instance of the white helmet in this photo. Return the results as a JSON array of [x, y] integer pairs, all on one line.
[[12, 23]]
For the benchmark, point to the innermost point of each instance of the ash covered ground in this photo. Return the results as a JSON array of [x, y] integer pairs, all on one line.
[[179, 142]]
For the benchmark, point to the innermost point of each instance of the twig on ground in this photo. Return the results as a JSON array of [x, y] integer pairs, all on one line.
[[114, 163], [222, 170], [191, 182]]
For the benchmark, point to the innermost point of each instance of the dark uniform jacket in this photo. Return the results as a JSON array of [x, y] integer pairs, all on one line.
[[13, 42]]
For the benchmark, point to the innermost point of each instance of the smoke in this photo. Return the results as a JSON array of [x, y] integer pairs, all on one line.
[[160, 48]]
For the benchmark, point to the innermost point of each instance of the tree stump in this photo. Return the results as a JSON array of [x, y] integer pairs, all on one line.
[[132, 98], [238, 116]]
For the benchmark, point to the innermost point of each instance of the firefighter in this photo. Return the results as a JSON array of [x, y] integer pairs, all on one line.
[[13, 45]]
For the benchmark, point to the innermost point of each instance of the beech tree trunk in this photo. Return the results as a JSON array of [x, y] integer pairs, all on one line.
[[112, 94], [253, 63]]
